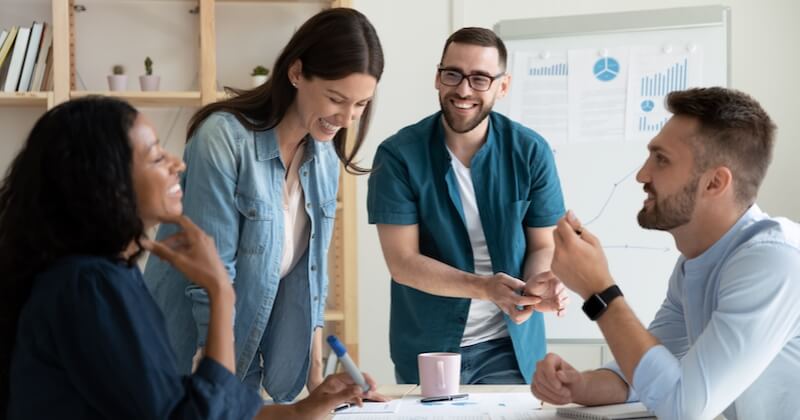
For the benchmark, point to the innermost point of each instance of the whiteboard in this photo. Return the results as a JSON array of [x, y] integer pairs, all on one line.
[[598, 177]]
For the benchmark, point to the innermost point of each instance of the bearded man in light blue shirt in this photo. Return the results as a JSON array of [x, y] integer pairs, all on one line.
[[727, 337]]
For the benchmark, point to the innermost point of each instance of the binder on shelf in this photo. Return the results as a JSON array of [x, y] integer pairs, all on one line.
[[34, 43], [42, 57], [5, 48], [3, 36], [17, 58], [47, 83]]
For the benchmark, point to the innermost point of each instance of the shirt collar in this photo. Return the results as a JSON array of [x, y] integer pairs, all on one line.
[[266, 143], [712, 255], [441, 145]]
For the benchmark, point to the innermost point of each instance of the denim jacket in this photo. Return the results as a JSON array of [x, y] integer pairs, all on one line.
[[233, 189]]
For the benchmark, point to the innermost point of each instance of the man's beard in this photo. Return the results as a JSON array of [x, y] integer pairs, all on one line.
[[672, 212], [453, 120]]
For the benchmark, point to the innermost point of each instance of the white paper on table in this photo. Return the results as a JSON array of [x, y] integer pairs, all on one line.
[[538, 96], [655, 72], [478, 406], [597, 80]]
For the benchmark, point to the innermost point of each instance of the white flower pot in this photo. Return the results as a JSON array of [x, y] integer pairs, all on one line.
[[259, 80], [117, 82], [149, 83]]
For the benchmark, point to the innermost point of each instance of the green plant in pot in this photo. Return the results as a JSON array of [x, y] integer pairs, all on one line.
[[117, 80], [259, 75], [149, 81]]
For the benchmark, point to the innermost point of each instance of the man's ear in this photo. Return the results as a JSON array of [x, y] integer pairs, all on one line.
[[718, 181], [505, 86]]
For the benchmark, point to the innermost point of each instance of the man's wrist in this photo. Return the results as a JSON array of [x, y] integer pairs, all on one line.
[[597, 287], [480, 286]]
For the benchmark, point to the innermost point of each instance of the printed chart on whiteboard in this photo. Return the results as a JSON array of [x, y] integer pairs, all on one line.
[[600, 95]]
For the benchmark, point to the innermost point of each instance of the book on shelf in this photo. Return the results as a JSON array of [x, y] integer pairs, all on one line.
[[47, 82], [31, 53], [41, 59], [607, 412], [3, 36], [17, 58], [5, 49]]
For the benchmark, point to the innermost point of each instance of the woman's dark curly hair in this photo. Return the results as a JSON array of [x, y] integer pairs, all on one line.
[[69, 191]]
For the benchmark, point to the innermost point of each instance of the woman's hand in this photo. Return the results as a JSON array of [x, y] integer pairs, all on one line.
[[334, 390]]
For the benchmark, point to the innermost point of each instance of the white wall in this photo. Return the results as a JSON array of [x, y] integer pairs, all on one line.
[[412, 32]]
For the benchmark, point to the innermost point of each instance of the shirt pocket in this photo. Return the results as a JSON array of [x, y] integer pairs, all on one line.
[[255, 227], [327, 220]]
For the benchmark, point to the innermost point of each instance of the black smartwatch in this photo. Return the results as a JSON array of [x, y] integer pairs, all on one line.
[[597, 304]]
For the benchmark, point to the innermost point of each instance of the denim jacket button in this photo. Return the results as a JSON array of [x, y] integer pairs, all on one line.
[[308, 205], [252, 213], [313, 268], [305, 173]]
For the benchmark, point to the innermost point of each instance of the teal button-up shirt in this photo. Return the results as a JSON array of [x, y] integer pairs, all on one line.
[[516, 186]]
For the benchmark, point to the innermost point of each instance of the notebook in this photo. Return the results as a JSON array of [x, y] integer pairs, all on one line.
[[607, 412]]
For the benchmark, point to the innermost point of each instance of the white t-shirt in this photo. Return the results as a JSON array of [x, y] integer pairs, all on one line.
[[295, 219], [485, 320]]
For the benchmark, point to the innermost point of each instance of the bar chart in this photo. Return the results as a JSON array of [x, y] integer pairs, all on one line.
[[648, 126], [559, 69], [663, 82]]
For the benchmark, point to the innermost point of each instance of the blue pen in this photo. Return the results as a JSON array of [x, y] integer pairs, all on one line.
[[347, 362]]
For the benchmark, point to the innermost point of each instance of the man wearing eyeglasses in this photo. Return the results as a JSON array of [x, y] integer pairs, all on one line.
[[465, 202]]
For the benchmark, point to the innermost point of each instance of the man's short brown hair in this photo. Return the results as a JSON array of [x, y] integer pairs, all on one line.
[[734, 132], [478, 36]]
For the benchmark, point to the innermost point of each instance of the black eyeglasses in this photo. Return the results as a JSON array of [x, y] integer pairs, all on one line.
[[478, 82]]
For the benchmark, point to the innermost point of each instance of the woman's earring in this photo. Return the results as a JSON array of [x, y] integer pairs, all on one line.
[[294, 84]]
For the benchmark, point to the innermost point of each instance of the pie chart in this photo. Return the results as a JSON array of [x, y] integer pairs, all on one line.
[[606, 69]]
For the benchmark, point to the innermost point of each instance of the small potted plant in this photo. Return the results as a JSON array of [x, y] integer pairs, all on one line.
[[148, 81], [117, 80], [259, 75]]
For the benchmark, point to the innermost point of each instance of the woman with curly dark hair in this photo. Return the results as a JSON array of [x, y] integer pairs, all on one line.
[[81, 336]]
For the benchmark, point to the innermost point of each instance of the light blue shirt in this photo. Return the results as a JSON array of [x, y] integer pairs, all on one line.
[[233, 190], [729, 329]]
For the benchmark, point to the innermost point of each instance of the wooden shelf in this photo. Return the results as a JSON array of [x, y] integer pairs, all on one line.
[[342, 264], [272, 1], [169, 99], [26, 99], [334, 315]]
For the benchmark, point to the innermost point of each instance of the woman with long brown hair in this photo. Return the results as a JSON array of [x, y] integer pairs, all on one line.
[[262, 179]]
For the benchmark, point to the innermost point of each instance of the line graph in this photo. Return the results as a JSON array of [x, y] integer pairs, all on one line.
[[610, 196]]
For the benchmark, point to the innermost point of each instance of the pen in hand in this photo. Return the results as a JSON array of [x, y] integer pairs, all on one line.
[[347, 363]]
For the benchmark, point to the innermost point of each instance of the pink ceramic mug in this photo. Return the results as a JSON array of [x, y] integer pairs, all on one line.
[[439, 373]]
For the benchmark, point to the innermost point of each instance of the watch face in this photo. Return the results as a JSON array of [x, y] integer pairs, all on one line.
[[594, 307]]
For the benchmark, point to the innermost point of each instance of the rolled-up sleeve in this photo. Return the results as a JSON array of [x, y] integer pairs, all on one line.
[[547, 200], [390, 199]]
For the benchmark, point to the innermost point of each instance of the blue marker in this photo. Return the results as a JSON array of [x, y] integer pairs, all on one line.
[[347, 362]]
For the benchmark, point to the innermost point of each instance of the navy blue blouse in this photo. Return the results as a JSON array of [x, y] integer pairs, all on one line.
[[92, 344]]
